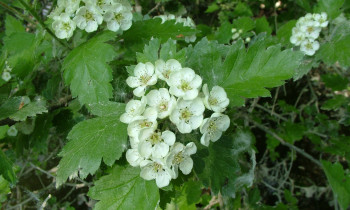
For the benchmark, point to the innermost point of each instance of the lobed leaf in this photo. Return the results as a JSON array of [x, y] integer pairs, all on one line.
[[123, 188], [91, 141], [87, 72]]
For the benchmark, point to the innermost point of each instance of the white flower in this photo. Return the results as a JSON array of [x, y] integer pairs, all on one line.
[[213, 127], [148, 120], [179, 157], [164, 69], [310, 29], [69, 6], [155, 144], [118, 17], [188, 115], [321, 19], [6, 76], [162, 101], [134, 158], [309, 47], [88, 18], [102, 5], [185, 83], [216, 100], [144, 76], [157, 170], [297, 38], [63, 26], [133, 110]]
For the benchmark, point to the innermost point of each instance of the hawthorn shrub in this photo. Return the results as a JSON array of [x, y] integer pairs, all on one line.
[[134, 104]]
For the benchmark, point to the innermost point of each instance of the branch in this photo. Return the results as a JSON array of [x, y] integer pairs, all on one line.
[[283, 142], [36, 16]]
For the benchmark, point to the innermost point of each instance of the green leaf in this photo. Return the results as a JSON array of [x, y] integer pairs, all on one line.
[[335, 81], [262, 25], [168, 51], [205, 58], [260, 67], [87, 72], [224, 33], [123, 188], [21, 48], [339, 182], [145, 30], [305, 4], [334, 103], [186, 196], [215, 164], [331, 7], [10, 107], [244, 23], [91, 141], [12, 25], [285, 32], [337, 47], [4, 189], [150, 52], [29, 110], [6, 169], [304, 68], [242, 9], [212, 8], [3, 131], [107, 108]]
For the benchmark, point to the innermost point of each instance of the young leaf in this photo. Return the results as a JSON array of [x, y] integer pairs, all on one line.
[[285, 32], [331, 7], [339, 182], [87, 72], [150, 52], [12, 25], [29, 110], [215, 164], [91, 141], [205, 58], [123, 188], [6, 168], [145, 30], [260, 67], [337, 48]]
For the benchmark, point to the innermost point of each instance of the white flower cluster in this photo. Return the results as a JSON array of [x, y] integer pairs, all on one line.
[[89, 14], [6, 74], [307, 30], [154, 148], [185, 21]]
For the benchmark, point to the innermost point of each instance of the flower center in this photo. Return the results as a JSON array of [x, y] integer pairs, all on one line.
[[178, 158], [185, 86], [309, 46], [157, 167], [66, 26], [212, 101], [88, 15], [144, 79], [146, 124], [163, 106], [212, 126], [166, 73], [118, 17], [310, 29], [185, 115], [155, 138]]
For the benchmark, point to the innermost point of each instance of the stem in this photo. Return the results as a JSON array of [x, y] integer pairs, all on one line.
[[35, 15], [283, 142], [15, 12]]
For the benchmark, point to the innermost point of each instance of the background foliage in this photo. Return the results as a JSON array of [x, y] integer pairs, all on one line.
[[288, 146]]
